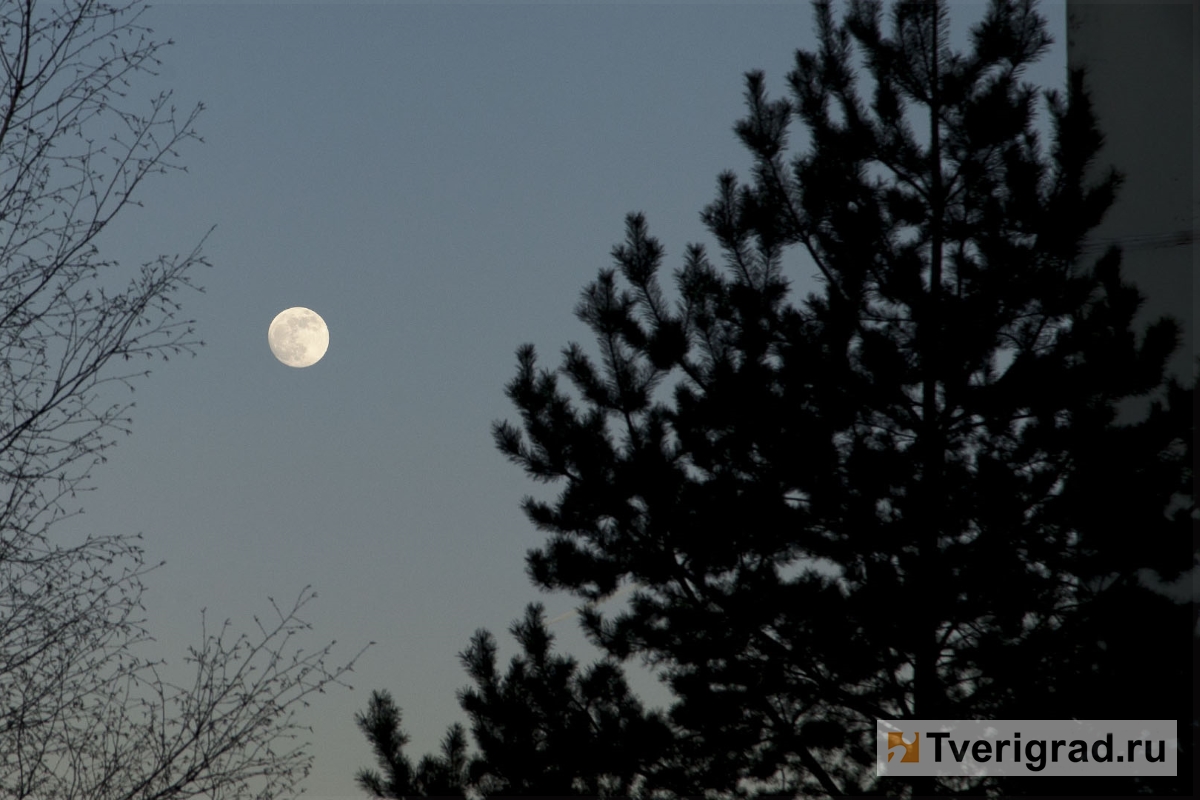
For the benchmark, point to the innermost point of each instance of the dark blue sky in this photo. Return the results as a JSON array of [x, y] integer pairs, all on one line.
[[439, 182]]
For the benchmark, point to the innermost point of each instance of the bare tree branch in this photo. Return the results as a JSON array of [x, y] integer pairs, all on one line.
[[82, 713]]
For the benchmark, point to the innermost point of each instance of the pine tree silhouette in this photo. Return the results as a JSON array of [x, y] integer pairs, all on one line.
[[543, 729], [936, 427], [909, 496]]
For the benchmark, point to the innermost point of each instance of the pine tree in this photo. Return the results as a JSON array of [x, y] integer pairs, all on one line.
[[435, 776], [911, 495], [543, 729]]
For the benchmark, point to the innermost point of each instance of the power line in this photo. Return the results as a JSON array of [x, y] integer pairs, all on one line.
[[1148, 241]]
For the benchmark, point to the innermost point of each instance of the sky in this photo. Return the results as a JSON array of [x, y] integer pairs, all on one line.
[[439, 183]]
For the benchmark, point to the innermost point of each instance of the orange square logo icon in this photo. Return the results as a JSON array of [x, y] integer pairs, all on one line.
[[912, 750]]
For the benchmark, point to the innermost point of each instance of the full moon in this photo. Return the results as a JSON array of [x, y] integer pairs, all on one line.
[[298, 337]]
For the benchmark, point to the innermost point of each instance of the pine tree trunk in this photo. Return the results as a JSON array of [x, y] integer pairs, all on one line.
[[927, 688]]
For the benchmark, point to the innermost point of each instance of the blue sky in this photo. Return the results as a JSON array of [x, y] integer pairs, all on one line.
[[439, 182]]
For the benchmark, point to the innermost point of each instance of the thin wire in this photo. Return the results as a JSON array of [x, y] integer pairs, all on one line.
[[1149, 241]]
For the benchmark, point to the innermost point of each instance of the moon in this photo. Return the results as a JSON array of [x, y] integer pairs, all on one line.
[[298, 337]]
